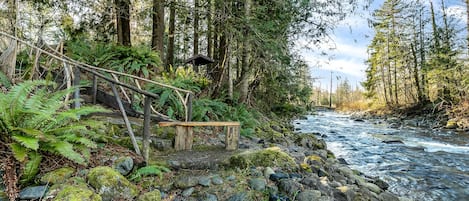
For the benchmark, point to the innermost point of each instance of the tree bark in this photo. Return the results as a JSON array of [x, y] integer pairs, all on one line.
[[123, 22], [196, 32], [245, 60], [157, 38], [171, 35]]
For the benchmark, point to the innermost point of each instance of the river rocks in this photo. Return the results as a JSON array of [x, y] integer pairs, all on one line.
[[208, 197], [33, 192], [57, 176], [184, 182], [310, 141], [205, 181], [373, 187], [240, 196], [451, 124], [124, 165], [268, 171], [188, 192], [278, 176], [308, 195], [76, 192], [386, 196], [289, 186], [150, 196], [217, 180], [392, 142], [111, 185], [269, 157], [257, 184]]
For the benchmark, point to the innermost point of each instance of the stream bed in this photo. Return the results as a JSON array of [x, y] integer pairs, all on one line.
[[418, 164]]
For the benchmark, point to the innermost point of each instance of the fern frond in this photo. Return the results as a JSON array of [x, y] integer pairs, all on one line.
[[19, 152], [31, 168], [66, 150], [27, 141]]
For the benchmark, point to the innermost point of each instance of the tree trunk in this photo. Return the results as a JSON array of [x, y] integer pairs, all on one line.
[[196, 32], [210, 29], [157, 38], [123, 22], [245, 60], [8, 57], [171, 35]]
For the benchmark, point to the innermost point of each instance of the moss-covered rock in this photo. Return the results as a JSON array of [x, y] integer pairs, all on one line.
[[77, 193], [150, 196], [57, 176], [451, 124], [310, 141], [270, 157], [111, 185]]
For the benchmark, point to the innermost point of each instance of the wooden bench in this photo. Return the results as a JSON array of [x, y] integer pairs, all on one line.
[[184, 133]]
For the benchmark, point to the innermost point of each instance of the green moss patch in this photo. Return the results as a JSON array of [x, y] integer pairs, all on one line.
[[270, 157]]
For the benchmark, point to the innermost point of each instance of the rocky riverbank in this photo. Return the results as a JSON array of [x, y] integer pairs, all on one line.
[[285, 166]]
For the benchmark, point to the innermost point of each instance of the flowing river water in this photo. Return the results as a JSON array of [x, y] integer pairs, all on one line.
[[417, 163]]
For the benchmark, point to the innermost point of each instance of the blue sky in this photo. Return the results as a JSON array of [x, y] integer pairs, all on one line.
[[350, 40]]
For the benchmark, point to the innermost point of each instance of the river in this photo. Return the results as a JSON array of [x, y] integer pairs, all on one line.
[[419, 164]]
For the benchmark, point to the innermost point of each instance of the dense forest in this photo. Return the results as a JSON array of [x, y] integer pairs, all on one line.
[[251, 42], [418, 55]]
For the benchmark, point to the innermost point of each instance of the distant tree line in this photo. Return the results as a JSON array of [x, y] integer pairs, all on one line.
[[418, 55]]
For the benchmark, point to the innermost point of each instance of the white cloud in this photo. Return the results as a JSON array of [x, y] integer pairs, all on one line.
[[458, 12]]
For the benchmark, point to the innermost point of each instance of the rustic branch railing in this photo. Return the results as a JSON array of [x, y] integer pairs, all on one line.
[[72, 75]]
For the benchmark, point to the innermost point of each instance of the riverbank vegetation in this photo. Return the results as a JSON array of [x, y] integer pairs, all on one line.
[[418, 57]]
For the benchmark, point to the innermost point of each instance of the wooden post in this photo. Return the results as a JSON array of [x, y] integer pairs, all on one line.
[[126, 120], [76, 82], [232, 137], [189, 107], [184, 138], [94, 88], [146, 128]]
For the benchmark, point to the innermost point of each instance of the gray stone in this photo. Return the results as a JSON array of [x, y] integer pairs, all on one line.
[[373, 188], [184, 182], [124, 165], [231, 178], [111, 185], [205, 181], [208, 197], [33, 192], [188, 192], [308, 195], [386, 196], [162, 144], [217, 180], [278, 176], [290, 187], [255, 172], [257, 184], [382, 184], [268, 171], [240, 196]]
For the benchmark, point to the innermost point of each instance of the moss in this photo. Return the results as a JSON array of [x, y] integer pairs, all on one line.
[[310, 141], [270, 157], [58, 175], [150, 196], [110, 184], [451, 124], [77, 193]]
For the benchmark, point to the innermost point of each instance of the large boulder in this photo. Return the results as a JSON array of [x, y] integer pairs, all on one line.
[[124, 165], [57, 176], [111, 185], [150, 196], [310, 141], [269, 157], [76, 192]]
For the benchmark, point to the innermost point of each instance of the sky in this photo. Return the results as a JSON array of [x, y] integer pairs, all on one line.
[[350, 41]]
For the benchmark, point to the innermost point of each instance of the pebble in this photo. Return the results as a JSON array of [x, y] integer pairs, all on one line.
[[278, 176], [257, 184], [33, 193], [217, 180], [240, 196], [188, 192], [308, 195], [268, 171], [205, 181]]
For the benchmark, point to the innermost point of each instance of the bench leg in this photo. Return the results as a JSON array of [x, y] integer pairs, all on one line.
[[232, 137], [184, 138]]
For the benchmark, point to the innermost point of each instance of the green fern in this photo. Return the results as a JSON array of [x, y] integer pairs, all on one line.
[[152, 170], [33, 119]]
